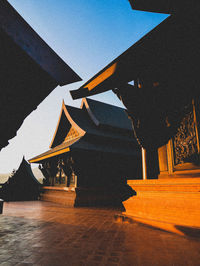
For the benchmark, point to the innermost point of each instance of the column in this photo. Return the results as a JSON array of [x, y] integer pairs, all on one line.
[[144, 164]]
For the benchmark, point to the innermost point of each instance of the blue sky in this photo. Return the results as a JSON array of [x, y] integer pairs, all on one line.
[[87, 35]]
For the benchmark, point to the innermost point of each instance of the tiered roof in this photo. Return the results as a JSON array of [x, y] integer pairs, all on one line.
[[95, 126]]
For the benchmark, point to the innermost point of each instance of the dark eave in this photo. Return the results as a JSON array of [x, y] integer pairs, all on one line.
[[30, 71], [29, 41], [60, 149], [122, 69], [165, 6], [86, 143], [172, 47]]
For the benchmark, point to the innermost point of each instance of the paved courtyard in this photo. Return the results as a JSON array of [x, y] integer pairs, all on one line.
[[41, 233]]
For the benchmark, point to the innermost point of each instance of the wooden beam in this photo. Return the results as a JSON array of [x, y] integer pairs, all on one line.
[[49, 155]]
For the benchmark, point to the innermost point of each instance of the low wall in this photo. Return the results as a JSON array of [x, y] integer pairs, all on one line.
[[59, 195], [81, 197]]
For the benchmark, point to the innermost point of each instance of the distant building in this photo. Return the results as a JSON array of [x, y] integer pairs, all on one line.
[[93, 152], [21, 185]]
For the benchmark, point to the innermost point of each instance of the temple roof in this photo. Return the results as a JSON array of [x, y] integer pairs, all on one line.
[[30, 70], [23, 173], [60, 149], [86, 144], [109, 115], [115, 147], [21, 185], [172, 47], [96, 127], [94, 118]]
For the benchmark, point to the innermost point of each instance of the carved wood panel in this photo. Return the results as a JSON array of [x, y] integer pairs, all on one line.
[[185, 141]]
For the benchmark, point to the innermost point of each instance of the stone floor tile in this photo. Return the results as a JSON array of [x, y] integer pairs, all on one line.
[[41, 233]]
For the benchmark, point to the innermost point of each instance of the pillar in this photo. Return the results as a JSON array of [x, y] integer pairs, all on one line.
[[144, 164]]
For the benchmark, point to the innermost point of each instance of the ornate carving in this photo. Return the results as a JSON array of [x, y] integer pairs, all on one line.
[[185, 141]]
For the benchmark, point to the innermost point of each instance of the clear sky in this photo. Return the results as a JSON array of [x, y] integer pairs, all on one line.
[[87, 35]]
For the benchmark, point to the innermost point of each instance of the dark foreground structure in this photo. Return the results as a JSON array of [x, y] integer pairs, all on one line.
[[163, 103], [93, 153], [22, 185], [29, 71]]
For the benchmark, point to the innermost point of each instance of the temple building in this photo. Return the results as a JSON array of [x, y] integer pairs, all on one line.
[[91, 156], [163, 103], [21, 185], [30, 71]]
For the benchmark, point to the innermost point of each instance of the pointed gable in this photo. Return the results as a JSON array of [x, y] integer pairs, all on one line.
[[72, 134], [64, 125]]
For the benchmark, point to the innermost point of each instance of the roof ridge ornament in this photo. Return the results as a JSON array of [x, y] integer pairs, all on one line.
[[91, 114]]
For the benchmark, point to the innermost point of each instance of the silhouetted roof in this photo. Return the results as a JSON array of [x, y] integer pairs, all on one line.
[[33, 45], [21, 185], [165, 6], [25, 166], [172, 47], [24, 170], [30, 70]]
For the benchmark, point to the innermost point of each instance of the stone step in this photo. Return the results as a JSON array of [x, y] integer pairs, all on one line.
[[174, 202]]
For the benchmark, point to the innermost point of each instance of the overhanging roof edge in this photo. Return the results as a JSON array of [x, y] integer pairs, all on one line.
[[165, 6], [83, 91], [151, 6], [38, 159], [30, 42]]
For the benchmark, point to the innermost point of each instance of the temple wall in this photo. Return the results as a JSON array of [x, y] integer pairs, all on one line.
[[82, 197], [58, 195], [182, 151]]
